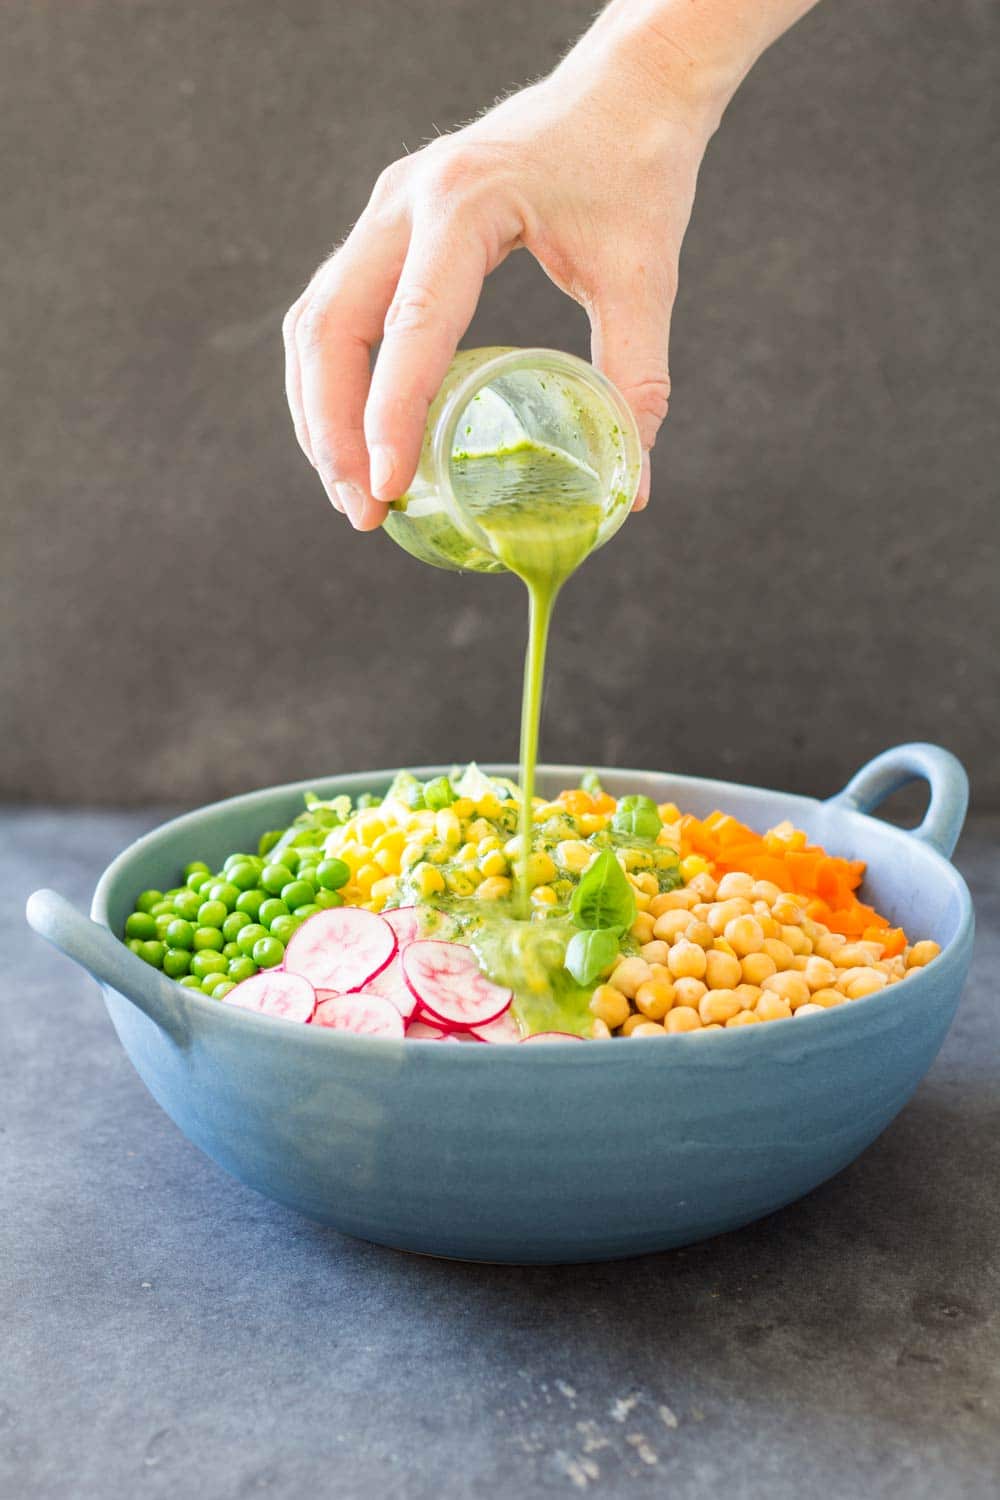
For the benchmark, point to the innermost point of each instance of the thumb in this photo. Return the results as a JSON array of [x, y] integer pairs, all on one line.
[[630, 339]]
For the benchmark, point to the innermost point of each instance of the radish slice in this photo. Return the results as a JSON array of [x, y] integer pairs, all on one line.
[[421, 1032], [503, 1029], [449, 986], [340, 949], [554, 1036], [363, 1014], [272, 992], [391, 985], [405, 923]]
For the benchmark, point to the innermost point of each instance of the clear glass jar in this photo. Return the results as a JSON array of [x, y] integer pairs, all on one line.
[[495, 399]]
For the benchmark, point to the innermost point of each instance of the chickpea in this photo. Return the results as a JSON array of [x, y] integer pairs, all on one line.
[[736, 883], [609, 1006], [819, 973], [828, 945], [826, 999], [766, 890], [791, 988], [655, 952], [599, 1030], [700, 933], [681, 900], [648, 1028], [773, 1008], [712, 1026], [642, 927], [757, 967], [689, 991], [660, 971], [809, 1009], [868, 983], [780, 952], [796, 939], [669, 926], [744, 1018], [921, 954], [787, 911], [744, 936], [683, 1018], [749, 995], [704, 886], [722, 971], [722, 912], [654, 998], [719, 1005], [629, 974], [687, 960], [850, 956], [634, 1020]]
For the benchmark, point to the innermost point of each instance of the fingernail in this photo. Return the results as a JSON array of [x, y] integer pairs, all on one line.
[[383, 464], [354, 502]]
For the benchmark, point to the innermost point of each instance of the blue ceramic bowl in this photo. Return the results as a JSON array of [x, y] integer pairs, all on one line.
[[558, 1153]]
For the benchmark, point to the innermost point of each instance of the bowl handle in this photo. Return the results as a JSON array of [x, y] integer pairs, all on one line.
[[99, 952], [905, 763]]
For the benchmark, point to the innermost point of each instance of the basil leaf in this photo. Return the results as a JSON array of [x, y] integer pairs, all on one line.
[[591, 954], [638, 817], [604, 897]]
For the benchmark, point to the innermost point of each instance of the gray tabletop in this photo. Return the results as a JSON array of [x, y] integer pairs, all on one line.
[[170, 1333]]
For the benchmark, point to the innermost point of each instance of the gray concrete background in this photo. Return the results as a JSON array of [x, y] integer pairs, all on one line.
[[183, 615]]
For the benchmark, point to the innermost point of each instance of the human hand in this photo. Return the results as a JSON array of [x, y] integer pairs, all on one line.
[[592, 170]]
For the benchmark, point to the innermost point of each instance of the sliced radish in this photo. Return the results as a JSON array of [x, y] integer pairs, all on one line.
[[449, 986], [273, 992], [503, 1029], [405, 923], [392, 986], [363, 1014], [340, 949], [421, 1032], [554, 1036]]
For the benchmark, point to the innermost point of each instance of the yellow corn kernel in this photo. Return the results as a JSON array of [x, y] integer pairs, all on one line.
[[544, 895], [412, 854], [669, 812], [387, 860], [513, 846], [353, 855], [642, 901], [393, 838], [592, 823], [448, 828], [369, 826], [493, 863], [488, 806], [367, 876], [541, 868], [467, 854], [383, 889], [692, 865], [574, 855], [494, 889], [545, 810], [647, 883], [488, 844], [463, 807], [459, 883], [428, 880], [478, 829]]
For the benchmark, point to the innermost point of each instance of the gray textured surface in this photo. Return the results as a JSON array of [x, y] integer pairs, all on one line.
[[183, 614], [170, 1333]]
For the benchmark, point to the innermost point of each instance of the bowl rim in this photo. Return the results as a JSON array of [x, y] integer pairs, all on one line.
[[195, 1003]]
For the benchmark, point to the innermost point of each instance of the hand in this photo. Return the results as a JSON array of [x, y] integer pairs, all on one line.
[[592, 170]]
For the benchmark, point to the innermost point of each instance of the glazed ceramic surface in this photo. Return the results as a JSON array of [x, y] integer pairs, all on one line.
[[557, 1153]]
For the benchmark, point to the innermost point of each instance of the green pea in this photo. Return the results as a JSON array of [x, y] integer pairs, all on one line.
[[173, 893], [243, 876], [210, 982], [274, 877], [208, 937], [135, 944], [141, 925], [225, 892], [196, 867], [191, 982], [230, 950], [212, 914], [271, 908], [207, 962], [176, 962], [439, 793], [290, 859], [297, 893], [148, 900], [249, 936], [333, 873], [234, 925], [234, 859], [302, 912], [283, 927], [326, 899], [268, 840], [221, 990], [251, 902], [162, 908], [241, 968], [180, 933], [186, 905], [152, 952], [194, 881], [163, 923], [268, 952]]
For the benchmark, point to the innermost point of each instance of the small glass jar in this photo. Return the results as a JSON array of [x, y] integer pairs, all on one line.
[[494, 400]]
